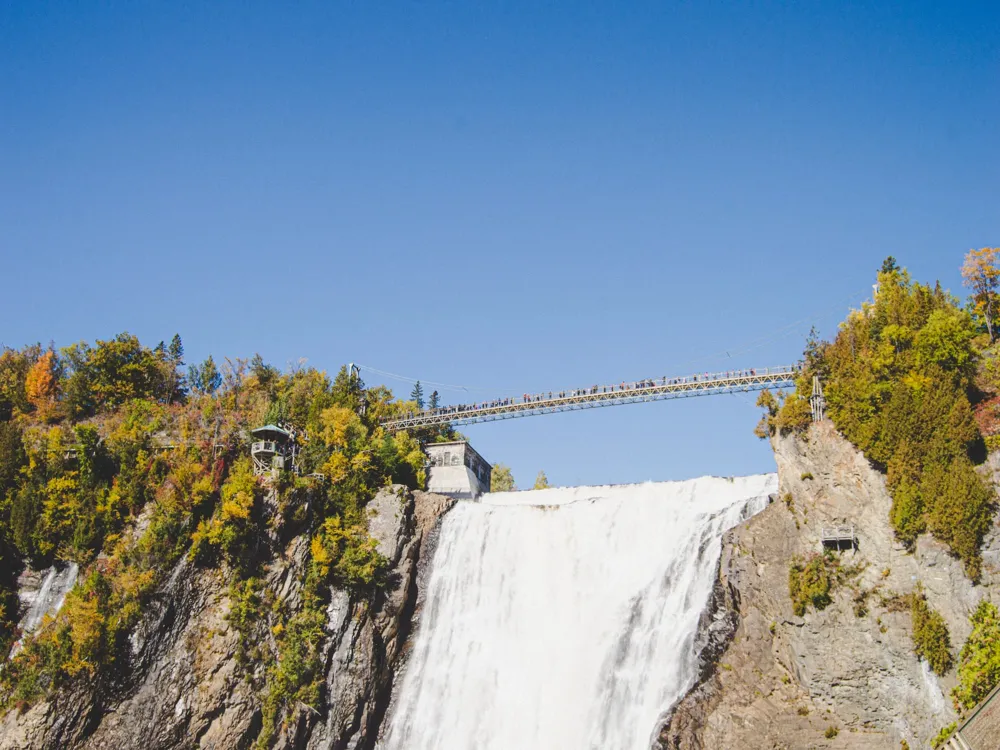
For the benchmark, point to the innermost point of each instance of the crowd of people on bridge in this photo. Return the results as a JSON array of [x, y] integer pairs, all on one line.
[[594, 390]]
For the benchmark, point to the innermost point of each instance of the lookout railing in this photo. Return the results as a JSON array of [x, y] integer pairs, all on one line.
[[653, 389]]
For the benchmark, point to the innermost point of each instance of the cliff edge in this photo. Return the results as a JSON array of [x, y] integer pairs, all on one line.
[[842, 677], [185, 687]]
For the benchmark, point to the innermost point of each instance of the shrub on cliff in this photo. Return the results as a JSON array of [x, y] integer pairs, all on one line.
[[931, 640], [979, 660], [809, 582]]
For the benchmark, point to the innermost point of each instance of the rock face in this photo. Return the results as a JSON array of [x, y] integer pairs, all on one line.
[[774, 680], [183, 688]]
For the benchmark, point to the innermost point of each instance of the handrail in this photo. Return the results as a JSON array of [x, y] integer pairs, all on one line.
[[606, 395]]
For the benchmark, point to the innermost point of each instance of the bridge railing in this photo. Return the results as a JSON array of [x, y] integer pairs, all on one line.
[[651, 389]]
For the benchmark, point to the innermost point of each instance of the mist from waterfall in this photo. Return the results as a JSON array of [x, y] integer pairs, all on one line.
[[565, 618]]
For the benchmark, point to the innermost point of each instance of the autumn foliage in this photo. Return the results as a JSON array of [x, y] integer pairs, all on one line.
[[94, 438], [41, 386]]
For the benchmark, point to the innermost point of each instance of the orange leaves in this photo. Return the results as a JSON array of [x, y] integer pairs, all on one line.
[[42, 385], [980, 270]]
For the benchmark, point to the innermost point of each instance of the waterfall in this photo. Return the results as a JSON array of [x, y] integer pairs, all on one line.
[[565, 618], [45, 599]]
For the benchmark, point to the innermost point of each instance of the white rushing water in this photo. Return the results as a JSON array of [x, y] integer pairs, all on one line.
[[565, 618]]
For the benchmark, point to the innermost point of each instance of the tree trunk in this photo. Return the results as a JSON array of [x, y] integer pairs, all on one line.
[[989, 317]]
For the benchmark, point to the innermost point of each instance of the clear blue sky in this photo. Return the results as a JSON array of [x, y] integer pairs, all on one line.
[[506, 196]]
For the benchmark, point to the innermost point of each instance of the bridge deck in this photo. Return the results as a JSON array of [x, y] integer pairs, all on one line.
[[595, 396]]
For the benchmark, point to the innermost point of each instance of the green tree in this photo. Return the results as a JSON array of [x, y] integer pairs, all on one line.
[[541, 481], [77, 388], [205, 378], [25, 510], [931, 641], [268, 377], [903, 479], [435, 402], [502, 479], [12, 456], [122, 369], [348, 390], [173, 361], [889, 265], [946, 340], [176, 350], [417, 395]]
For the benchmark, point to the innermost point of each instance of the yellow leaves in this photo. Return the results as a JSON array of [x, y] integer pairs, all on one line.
[[238, 493], [61, 509], [916, 382], [361, 462], [320, 555], [55, 445], [187, 486], [342, 428], [237, 508], [86, 625], [326, 547], [231, 528], [336, 467]]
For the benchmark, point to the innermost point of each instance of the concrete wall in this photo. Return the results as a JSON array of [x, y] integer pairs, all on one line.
[[457, 470]]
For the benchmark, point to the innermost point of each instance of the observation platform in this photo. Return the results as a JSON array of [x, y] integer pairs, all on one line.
[[658, 389], [839, 537]]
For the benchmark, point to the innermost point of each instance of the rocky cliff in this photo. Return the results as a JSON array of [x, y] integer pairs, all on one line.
[[184, 688], [772, 679]]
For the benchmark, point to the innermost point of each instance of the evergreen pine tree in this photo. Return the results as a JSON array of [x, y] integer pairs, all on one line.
[[207, 377], [176, 350], [174, 357], [417, 394], [889, 265], [435, 400]]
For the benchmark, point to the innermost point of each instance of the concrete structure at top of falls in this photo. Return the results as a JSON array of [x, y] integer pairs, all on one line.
[[455, 469], [565, 618]]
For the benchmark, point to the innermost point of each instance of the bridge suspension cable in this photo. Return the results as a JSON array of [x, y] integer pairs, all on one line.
[[641, 391]]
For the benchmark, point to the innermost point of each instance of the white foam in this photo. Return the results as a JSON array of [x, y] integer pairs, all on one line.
[[565, 618]]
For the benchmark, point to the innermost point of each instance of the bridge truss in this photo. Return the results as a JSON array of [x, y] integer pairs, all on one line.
[[660, 389]]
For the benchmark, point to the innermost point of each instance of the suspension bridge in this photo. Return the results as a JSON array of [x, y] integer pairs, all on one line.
[[658, 389]]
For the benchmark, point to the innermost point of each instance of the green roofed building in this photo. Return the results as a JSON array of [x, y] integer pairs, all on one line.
[[273, 449]]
